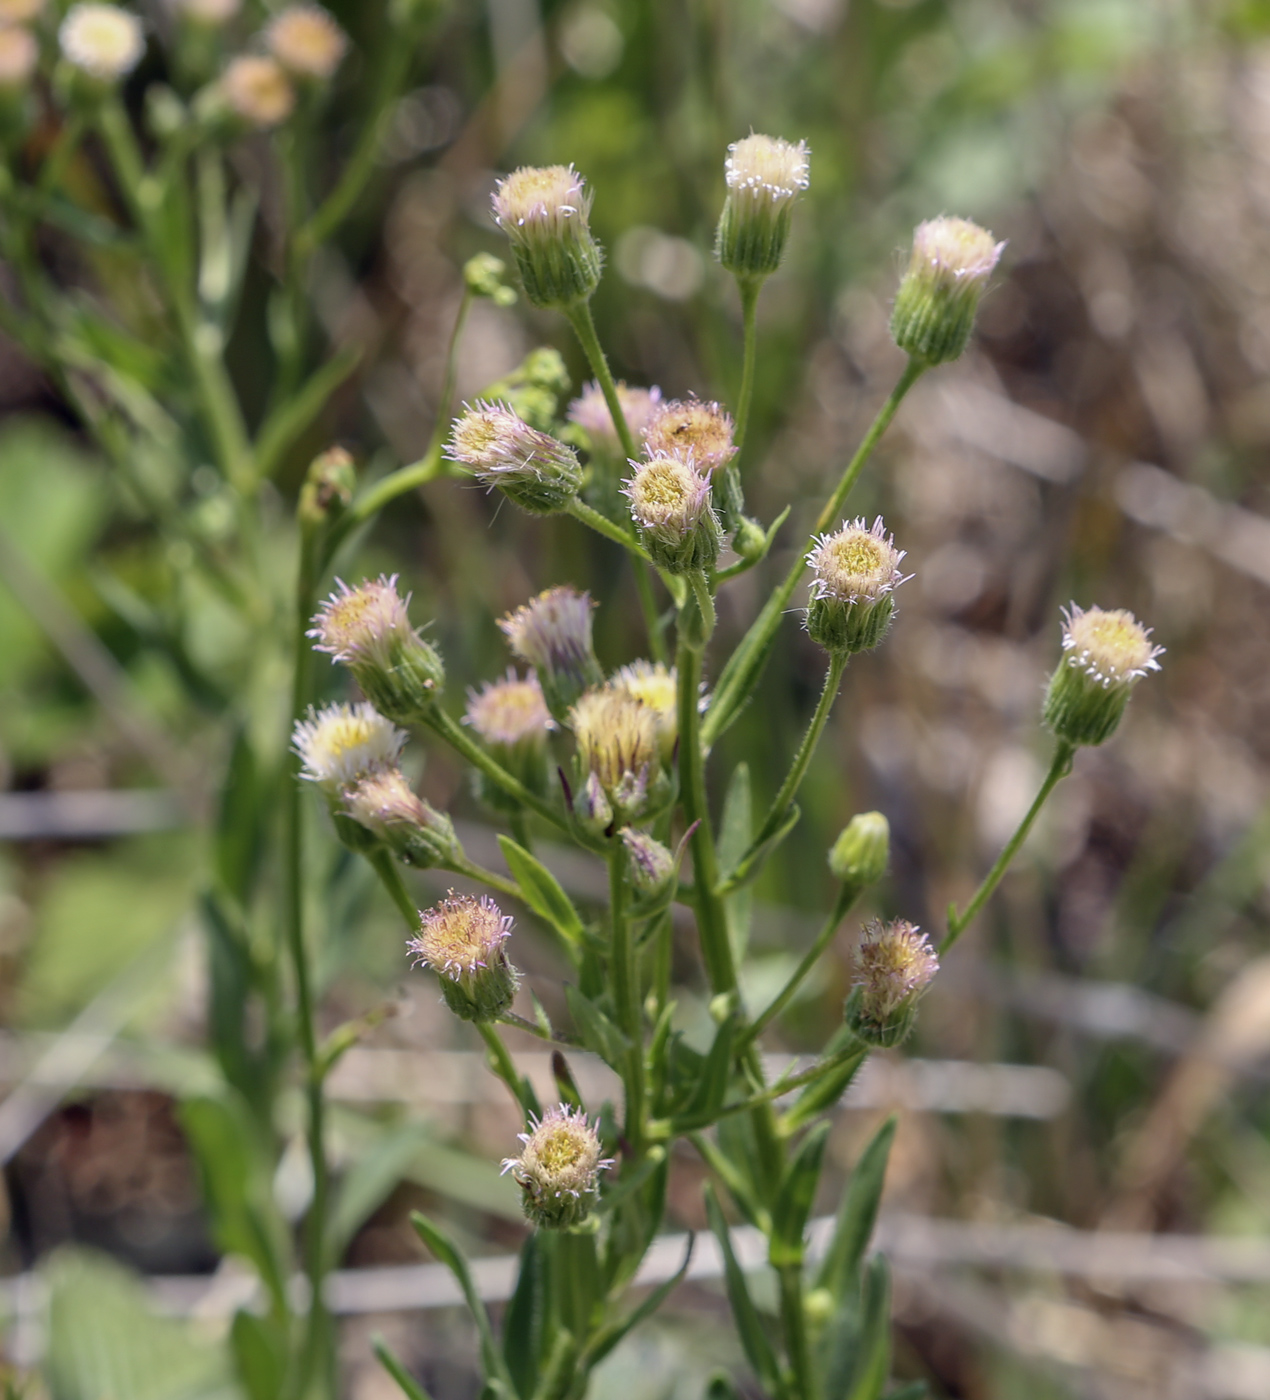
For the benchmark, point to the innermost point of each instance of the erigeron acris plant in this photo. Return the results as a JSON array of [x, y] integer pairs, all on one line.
[[614, 763]]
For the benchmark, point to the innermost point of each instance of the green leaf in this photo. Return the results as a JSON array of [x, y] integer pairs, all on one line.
[[544, 896], [238, 842], [916, 1391], [559, 1375], [820, 1096], [260, 1354], [749, 1326], [409, 1387], [291, 420], [795, 1198], [523, 1323], [711, 1083], [566, 1085], [856, 1216], [368, 1183], [734, 838], [598, 1032], [575, 1287], [231, 975], [492, 1363], [871, 1363], [608, 1337], [751, 866]]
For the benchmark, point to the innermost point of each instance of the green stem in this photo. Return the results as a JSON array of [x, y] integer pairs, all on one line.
[[746, 664], [626, 997], [749, 289], [785, 1085], [602, 525], [501, 1060], [458, 739], [486, 877], [705, 603], [846, 898], [390, 877], [553, 1037], [794, 1326], [584, 328], [1059, 769], [793, 779]]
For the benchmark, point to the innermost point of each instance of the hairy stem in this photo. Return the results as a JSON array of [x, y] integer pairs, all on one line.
[[749, 289], [626, 997]]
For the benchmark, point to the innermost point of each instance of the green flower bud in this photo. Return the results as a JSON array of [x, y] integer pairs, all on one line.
[[462, 939], [328, 488], [764, 177], [544, 211], [670, 503], [939, 295], [895, 966], [484, 276], [1105, 654], [860, 854], [855, 572], [534, 469], [552, 633], [558, 1170], [650, 864]]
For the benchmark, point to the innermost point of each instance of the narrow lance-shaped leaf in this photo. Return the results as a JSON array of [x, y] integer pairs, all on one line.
[[795, 1198], [856, 1215], [758, 1348]]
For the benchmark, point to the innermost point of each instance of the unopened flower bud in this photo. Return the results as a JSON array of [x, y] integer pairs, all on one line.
[[860, 854], [617, 745], [462, 940], [339, 744], [512, 718], [670, 503], [649, 864], [415, 832], [484, 276], [328, 487], [558, 1170], [552, 632], [306, 41], [1105, 654], [855, 572], [656, 685], [749, 539], [894, 967], [592, 807], [699, 433], [368, 629], [590, 412], [257, 90], [939, 294], [543, 210], [764, 177], [534, 469], [102, 41]]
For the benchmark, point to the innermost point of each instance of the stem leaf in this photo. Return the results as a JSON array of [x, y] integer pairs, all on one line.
[[543, 894], [410, 1387], [795, 1197], [599, 1033], [839, 1271], [754, 1338]]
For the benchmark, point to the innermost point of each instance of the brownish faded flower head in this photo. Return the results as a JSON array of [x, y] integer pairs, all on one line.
[[510, 711], [306, 41], [258, 90], [617, 739], [697, 432], [894, 966]]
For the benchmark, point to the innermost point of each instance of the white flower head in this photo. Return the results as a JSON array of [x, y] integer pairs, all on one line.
[[258, 90], [858, 563], [1111, 646], [306, 41], [104, 41], [340, 743]]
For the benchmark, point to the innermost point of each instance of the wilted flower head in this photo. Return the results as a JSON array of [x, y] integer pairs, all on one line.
[[101, 40], [552, 632], [19, 55], [558, 1169], [306, 41], [935, 306], [764, 176], [537, 471], [462, 939], [656, 685], [20, 11], [258, 90], [895, 964], [670, 503], [591, 413], [700, 433], [1105, 654], [384, 803], [854, 572], [543, 210], [510, 711], [618, 743], [340, 743]]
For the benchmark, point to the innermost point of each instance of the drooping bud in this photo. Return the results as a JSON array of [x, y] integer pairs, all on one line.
[[102, 41], [656, 685], [384, 803], [591, 413], [764, 176], [617, 744], [552, 632], [339, 744], [328, 486], [859, 856], [699, 433], [1105, 654], [511, 716], [462, 939], [670, 504], [855, 572], [544, 211], [650, 865], [558, 1170], [368, 629], [483, 276], [894, 967], [534, 469], [257, 90], [306, 41], [939, 294]]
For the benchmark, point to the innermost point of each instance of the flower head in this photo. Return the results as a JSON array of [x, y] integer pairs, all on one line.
[[939, 295], [534, 469], [544, 210], [552, 632], [854, 572], [103, 41], [257, 89], [306, 41], [384, 803], [20, 11], [591, 413], [19, 55], [656, 685], [1105, 654], [670, 503], [510, 711], [340, 743], [764, 176], [462, 939], [617, 744], [700, 433], [559, 1167], [895, 964]]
